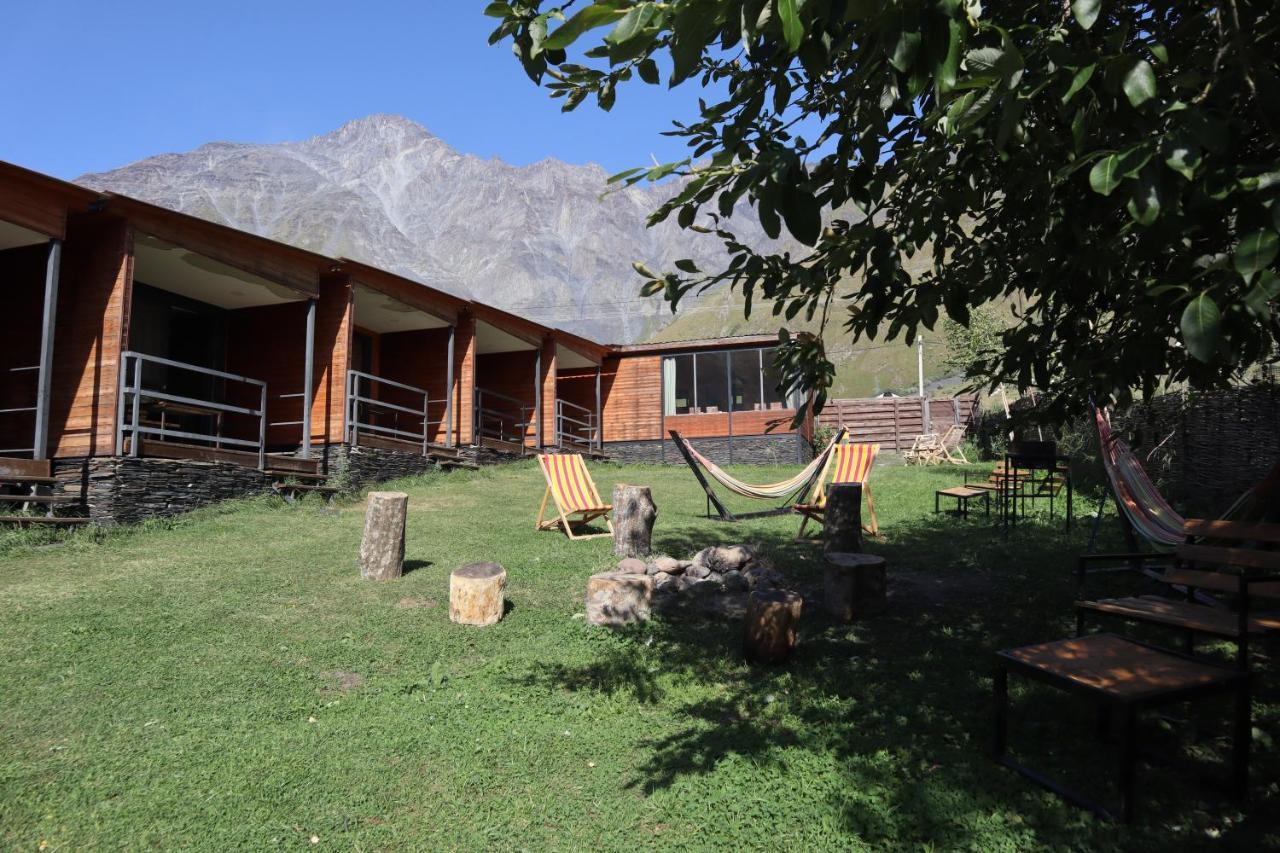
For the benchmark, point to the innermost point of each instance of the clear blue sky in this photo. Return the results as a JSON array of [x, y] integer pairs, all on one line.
[[95, 85]]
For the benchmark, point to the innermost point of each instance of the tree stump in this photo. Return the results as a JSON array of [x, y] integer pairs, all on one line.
[[854, 586], [477, 594], [842, 520], [633, 515], [382, 547], [618, 598], [770, 632]]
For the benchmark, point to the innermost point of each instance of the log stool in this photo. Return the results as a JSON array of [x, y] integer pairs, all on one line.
[[633, 516], [1124, 677], [382, 546], [615, 599], [854, 585], [770, 632], [477, 594]]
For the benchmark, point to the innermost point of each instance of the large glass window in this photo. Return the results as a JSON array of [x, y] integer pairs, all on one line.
[[747, 385], [706, 383], [713, 382]]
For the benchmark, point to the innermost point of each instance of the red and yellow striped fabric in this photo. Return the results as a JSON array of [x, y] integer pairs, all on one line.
[[570, 482], [851, 463]]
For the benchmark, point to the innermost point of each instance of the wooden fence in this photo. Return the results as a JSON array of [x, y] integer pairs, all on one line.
[[895, 422]]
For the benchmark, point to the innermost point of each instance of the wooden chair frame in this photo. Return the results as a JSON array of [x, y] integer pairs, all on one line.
[[815, 512], [922, 450], [562, 519], [949, 446]]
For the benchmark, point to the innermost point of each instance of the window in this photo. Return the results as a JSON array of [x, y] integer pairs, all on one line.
[[711, 382], [747, 386]]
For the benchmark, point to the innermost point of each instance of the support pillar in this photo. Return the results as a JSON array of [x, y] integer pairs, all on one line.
[[449, 389], [40, 447], [308, 378]]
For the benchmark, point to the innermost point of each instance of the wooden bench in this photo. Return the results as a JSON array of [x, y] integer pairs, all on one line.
[[1221, 563], [1123, 677]]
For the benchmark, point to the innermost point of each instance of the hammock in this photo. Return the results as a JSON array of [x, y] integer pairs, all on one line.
[[792, 487], [1142, 504]]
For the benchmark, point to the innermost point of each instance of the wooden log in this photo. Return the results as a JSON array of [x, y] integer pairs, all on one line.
[[854, 585], [382, 547], [633, 516], [477, 594], [842, 521], [770, 632], [615, 599]]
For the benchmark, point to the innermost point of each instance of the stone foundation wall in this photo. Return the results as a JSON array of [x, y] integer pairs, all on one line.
[[356, 468], [120, 489], [783, 449]]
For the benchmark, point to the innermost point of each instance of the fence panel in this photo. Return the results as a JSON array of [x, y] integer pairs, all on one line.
[[894, 422]]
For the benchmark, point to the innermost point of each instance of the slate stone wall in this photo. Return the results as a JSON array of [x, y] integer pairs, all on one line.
[[783, 449], [356, 468]]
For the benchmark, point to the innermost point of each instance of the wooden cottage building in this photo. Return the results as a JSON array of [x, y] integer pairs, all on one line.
[[156, 361]]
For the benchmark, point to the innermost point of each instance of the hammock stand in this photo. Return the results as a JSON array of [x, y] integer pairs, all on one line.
[[795, 488]]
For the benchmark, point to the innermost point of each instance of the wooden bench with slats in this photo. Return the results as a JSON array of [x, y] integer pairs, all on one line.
[[1221, 569]]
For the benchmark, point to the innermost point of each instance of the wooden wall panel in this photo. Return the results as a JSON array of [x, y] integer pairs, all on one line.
[[418, 358], [334, 312], [92, 325], [464, 354], [22, 274], [632, 390], [548, 381], [268, 343], [33, 207], [509, 373]]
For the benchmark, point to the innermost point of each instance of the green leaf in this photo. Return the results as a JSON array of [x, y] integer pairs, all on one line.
[[803, 215], [497, 10], [905, 50], [792, 27], [1105, 175], [1255, 252], [648, 70], [589, 18], [1140, 82], [1200, 325], [950, 65], [623, 175], [686, 265], [1144, 201], [1264, 291], [984, 61], [1086, 12], [1079, 81], [1181, 153], [631, 24]]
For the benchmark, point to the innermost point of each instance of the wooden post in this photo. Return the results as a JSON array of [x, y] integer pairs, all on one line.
[[633, 516], [477, 594], [770, 632], [842, 521], [44, 378], [854, 585], [382, 548]]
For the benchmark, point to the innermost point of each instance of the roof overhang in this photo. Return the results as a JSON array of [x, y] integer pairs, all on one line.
[[173, 268], [698, 345], [378, 312], [39, 203], [414, 295]]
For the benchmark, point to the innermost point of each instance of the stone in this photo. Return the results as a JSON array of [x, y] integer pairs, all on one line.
[[669, 565], [615, 599], [724, 558], [714, 577], [663, 581], [762, 577], [735, 582], [632, 566], [696, 571], [382, 546], [477, 594]]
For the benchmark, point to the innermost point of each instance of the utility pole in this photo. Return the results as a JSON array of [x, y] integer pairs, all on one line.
[[920, 363]]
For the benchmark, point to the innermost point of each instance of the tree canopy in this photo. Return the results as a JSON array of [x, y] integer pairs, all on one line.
[[1111, 168]]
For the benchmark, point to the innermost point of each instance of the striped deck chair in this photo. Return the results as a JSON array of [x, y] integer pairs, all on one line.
[[577, 501], [849, 463]]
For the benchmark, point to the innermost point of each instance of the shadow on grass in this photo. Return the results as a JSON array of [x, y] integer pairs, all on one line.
[[901, 704]]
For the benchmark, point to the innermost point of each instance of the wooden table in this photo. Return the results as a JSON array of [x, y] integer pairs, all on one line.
[[1124, 677], [962, 494]]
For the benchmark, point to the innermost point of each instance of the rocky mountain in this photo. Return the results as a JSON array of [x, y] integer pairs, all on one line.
[[538, 240]]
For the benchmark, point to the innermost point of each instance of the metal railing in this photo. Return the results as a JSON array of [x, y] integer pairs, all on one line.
[[367, 413], [132, 396], [576, 426], [502, 418], [20, 410]]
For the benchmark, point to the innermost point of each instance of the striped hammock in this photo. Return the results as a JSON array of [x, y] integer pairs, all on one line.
[[768, 491], [1144, 506]]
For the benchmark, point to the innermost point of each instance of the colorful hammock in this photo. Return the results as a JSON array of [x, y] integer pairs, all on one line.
[[1140, 501], [790, 488]]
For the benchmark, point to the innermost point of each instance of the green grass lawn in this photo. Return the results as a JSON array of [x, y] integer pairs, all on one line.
[[228, 681]]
